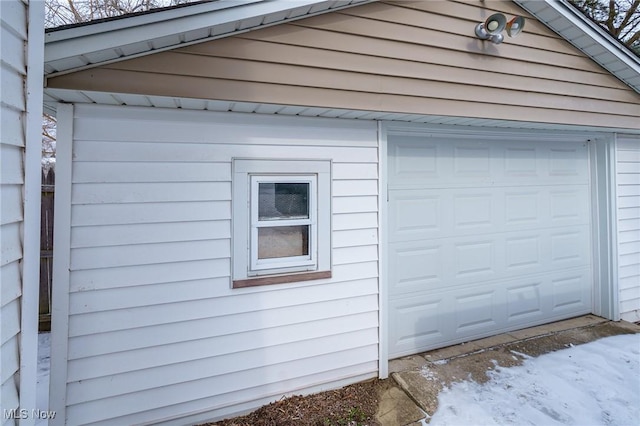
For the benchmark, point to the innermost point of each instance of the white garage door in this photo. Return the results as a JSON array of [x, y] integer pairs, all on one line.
[[484, 236]]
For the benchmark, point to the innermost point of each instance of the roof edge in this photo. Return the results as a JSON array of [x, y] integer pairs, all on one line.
[[175, 26], [149, 17], [593, 31]]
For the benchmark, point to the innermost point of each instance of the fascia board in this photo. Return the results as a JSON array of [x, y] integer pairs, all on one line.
[[108, 35]]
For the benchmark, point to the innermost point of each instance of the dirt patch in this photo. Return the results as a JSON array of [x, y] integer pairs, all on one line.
[[354, 405], [473, 367], [549, 343]]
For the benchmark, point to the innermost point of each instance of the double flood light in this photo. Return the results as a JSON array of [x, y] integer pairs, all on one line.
[[492, 28]]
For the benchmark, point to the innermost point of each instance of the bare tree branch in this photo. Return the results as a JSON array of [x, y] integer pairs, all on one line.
[[628, 16], [621, 18]]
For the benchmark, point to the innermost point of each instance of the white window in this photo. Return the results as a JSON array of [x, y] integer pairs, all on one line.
[[281, 221]]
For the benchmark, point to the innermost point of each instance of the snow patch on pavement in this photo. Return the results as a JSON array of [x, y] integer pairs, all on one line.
[[592, 384], [427, 373]]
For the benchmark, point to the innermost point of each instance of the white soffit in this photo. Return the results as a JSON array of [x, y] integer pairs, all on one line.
[[594, 41], [76, 47], [52, 97]]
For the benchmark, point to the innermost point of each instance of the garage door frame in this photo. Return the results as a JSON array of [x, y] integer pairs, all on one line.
[[602, 186]]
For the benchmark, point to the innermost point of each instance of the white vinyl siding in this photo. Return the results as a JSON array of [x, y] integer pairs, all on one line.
[[155, 329], [628, 221], [13, 36]]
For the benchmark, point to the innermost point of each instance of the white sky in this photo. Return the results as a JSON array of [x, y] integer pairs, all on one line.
[[597, 383]]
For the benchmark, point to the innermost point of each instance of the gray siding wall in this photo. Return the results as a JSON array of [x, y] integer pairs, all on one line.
[[13, 36], [21, 40], [628, 216], [154, 329]]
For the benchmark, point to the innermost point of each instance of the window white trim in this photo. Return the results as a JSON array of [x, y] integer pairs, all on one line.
[[247, 174]]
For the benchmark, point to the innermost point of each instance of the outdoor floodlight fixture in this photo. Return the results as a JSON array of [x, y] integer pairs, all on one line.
[[515, 26], [492, 28]]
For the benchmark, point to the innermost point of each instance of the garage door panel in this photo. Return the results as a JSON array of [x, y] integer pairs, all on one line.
[[569, 247], [434, 213], [488, 236], [411, 161], [523, 207], [419, 322], [416, 215], [568, 161], [548, 295], [523, 252], [524, 300], [459, 162], [425, 265], [475, 258], [474, 209], [472, 161], [416, 266], [569, 206], [447, 316], [476, 311], [522, 161], [571, 292]]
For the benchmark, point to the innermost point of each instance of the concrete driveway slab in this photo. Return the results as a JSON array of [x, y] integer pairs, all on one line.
[[423, 376], [397, 409]]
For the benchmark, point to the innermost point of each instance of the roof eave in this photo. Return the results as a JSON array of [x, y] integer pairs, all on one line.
[[75, 48], [588, 37]]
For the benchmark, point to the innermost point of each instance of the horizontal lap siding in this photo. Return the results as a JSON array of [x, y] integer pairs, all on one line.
[[154, 328], [628, 215], [402, 57], [13, 34]]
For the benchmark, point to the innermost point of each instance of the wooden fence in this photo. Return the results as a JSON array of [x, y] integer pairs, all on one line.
[[46, 248]]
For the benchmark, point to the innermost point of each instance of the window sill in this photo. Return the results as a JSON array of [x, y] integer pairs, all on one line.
[[281, 279]]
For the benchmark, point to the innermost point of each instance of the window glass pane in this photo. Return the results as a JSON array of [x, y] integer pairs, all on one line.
[[283, 241], [283, 201]]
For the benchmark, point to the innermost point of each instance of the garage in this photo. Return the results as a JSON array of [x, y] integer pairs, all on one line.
[[487, 232], [465, 188]]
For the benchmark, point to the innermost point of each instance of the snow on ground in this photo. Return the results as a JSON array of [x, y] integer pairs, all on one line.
[[597, 383], [44, 366]]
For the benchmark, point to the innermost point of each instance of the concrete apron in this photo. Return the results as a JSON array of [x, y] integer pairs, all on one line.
[[413, 398]]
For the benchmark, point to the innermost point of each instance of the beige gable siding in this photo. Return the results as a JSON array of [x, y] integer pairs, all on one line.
[[13, 35], [406, 57], [155, 330], [628, 217]]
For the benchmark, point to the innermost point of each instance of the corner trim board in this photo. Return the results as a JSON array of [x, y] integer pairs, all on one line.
[[383, 283], [61, 267]]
